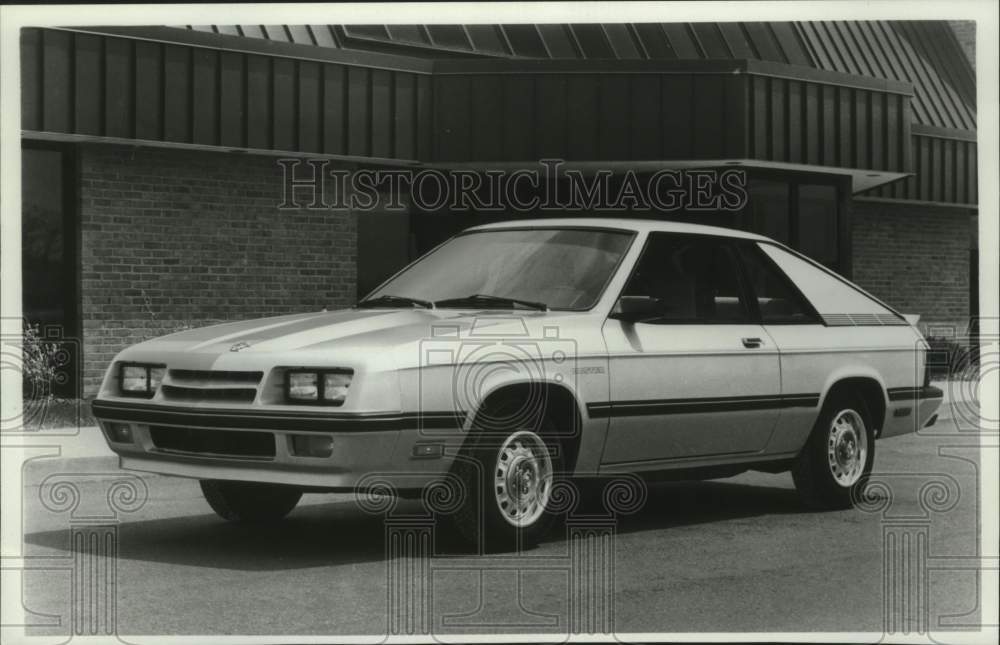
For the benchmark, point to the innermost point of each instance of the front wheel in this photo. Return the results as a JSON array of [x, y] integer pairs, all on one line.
[[833, 468], [509, 483], [249, 501]]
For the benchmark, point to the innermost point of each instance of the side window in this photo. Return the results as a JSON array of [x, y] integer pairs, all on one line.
[[831, 296], [777, 299], [689, 279]]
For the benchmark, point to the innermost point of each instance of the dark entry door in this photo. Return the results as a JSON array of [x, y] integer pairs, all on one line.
[[50, 260]]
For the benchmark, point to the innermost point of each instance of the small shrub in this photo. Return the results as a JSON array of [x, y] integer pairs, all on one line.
[[40, 362]]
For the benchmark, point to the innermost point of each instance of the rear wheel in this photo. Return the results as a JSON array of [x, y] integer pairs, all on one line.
[[833, 468], [249, 501]]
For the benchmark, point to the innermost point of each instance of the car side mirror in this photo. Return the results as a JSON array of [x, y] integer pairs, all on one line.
[[633, 309]]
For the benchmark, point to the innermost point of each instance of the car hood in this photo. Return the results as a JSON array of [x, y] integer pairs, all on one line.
[[365, 334]]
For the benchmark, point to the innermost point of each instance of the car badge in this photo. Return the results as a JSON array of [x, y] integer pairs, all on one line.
[[238, 346]]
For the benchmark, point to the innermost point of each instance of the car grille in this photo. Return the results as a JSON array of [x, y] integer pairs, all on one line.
[[221, 443], [214, 386]]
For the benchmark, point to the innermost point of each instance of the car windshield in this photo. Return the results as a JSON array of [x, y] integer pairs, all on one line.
[[535, 268]]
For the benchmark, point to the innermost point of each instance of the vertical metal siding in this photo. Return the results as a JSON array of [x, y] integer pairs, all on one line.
[[382, 106], [518, 118], [232, 89], [813, 124], [923, 53], [784, 119], [101, 85], [309, 111], [359, 111], [678, 111], [88, 73], [334, 109], [944, 170], [176, 93], [57, 82], [148, 90], [115, 86], [796, 132], [822, 124], [118, 91], [645, 116], [526, 116], [283, 99], [613, 135], [584, 96], [709, 124], [405, 117], [551, 131]]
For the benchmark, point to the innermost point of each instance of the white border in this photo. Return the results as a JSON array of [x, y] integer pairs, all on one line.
[[984, 12]]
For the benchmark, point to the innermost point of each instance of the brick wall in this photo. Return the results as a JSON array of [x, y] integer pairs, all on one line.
[[916, 258], [177, 238]]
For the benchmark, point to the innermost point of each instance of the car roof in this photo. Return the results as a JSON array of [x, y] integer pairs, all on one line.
[[623, 224]]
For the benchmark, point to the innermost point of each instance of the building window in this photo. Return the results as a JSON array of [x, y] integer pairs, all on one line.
[[770, 205], [49, 276], [817, 223], [804, 214]]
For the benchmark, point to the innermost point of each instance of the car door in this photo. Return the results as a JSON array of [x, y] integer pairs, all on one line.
[[826, 329], [697, 376]]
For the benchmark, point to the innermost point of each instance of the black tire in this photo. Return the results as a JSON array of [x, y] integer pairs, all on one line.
[[822, 480], [249, 501], [481, 520]]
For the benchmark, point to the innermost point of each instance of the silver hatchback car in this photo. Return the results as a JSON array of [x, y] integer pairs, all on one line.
[[518, 357]]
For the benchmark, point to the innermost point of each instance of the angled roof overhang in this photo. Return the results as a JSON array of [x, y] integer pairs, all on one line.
[[671, 114], [172, 87]]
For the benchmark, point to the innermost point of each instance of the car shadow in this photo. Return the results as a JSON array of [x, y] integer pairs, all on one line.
[[341, 533]]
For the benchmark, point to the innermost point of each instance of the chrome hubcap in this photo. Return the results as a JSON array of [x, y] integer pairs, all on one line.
[[522, 480], [847, 448]]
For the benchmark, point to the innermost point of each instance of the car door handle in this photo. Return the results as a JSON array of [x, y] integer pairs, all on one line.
[[752, 343]]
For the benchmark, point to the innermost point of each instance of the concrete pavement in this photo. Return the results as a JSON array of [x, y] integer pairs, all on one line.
[[738, 554]]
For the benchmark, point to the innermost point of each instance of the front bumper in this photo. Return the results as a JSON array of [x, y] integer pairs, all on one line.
[[388, 448]]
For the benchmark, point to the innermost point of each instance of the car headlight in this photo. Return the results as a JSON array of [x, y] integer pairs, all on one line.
[[140, 379], [321, 387]]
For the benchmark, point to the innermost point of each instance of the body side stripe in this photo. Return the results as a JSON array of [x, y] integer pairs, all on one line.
[[700, 405]]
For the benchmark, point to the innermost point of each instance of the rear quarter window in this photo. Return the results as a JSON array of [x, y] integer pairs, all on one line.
[[830, 295]]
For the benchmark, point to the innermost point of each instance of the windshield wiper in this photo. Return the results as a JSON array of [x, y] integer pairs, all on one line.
[[485, 299], [394, 301]]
